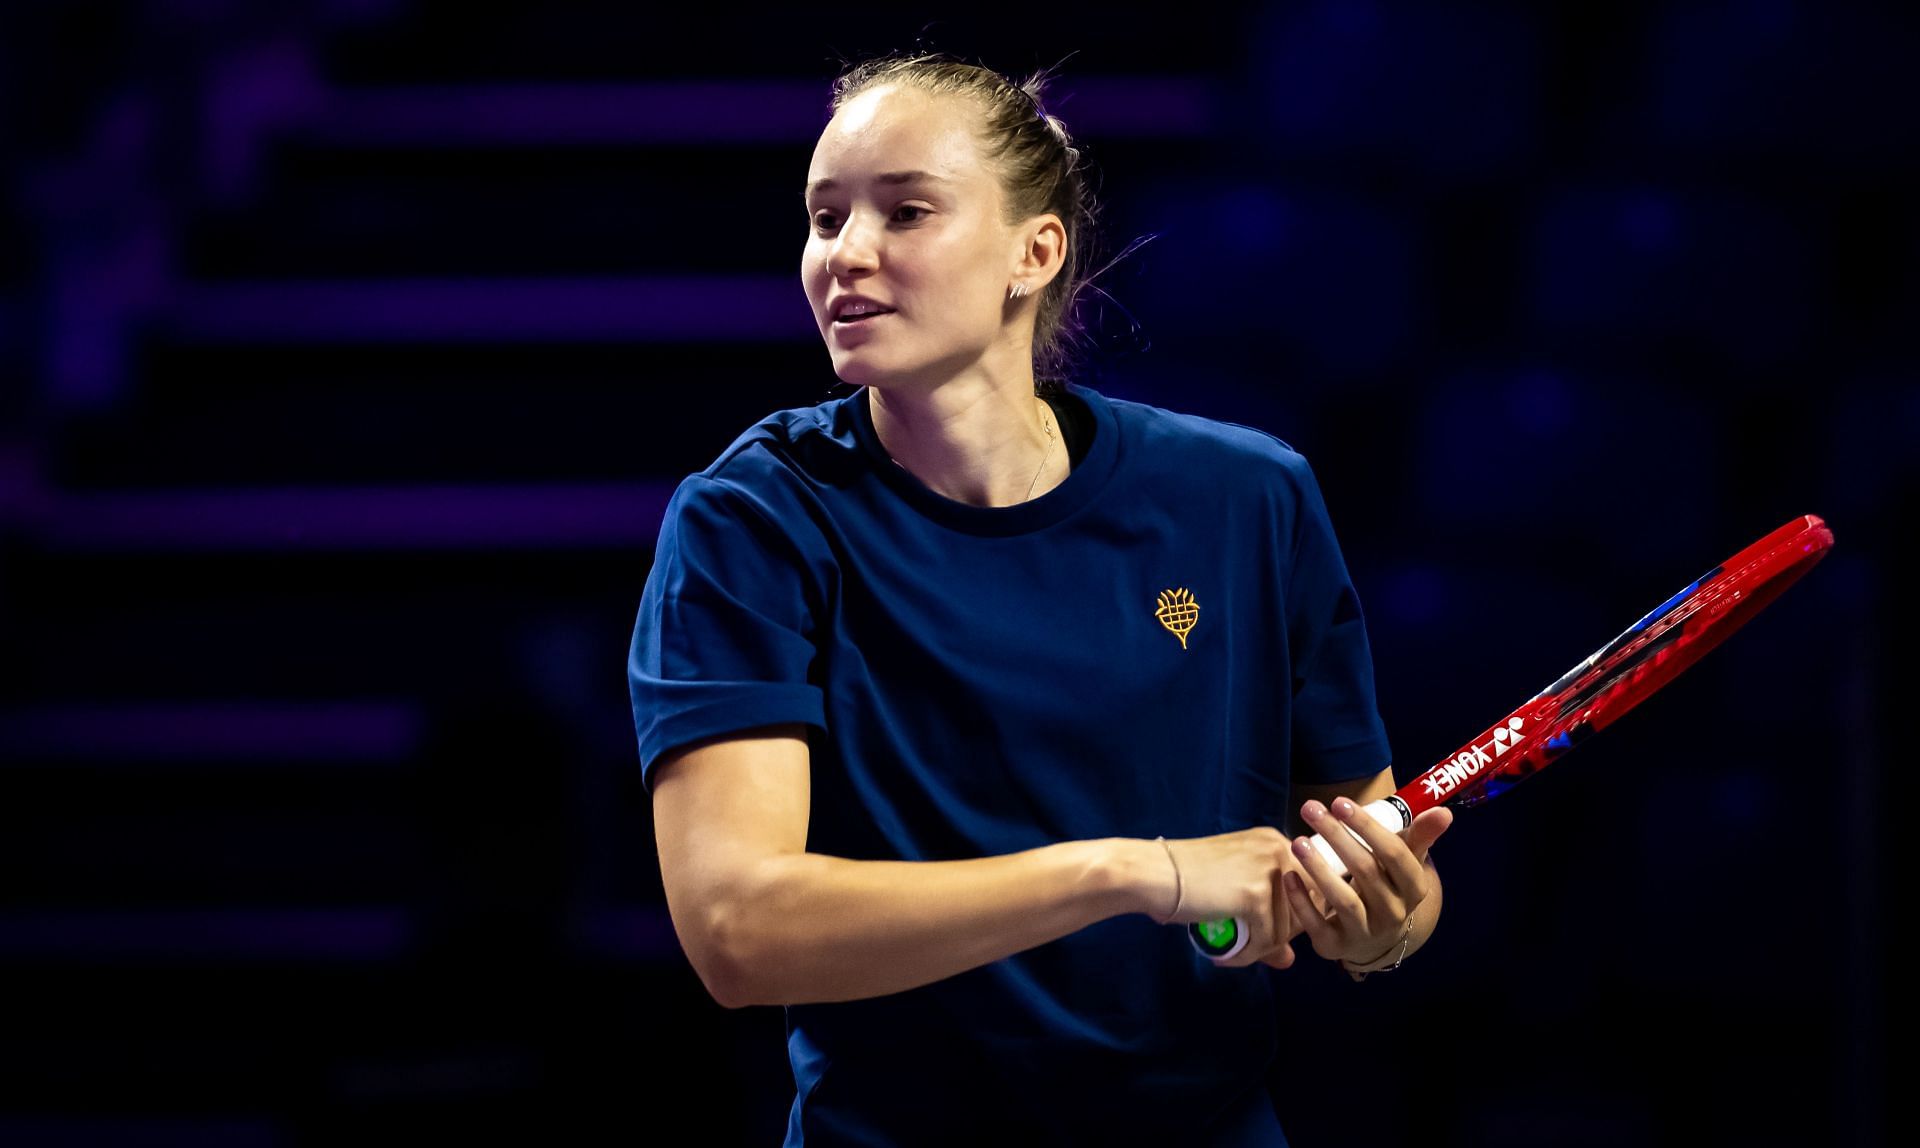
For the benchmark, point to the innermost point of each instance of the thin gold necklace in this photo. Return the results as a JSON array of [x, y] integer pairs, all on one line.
[[1047, 422]]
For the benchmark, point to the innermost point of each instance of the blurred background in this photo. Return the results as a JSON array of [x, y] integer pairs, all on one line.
[[349, 350]]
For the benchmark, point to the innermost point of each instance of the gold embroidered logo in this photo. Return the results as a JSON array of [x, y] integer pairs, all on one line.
[[1178, 612]]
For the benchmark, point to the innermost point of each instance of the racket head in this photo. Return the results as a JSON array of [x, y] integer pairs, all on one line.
[[1645, 657]]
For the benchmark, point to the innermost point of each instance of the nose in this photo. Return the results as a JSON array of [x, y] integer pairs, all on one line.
[[854, 249]]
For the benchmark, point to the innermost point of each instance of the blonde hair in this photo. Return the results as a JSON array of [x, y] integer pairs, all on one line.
[[1040, 168]]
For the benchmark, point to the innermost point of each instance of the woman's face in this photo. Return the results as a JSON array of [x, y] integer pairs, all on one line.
[[903, 210]]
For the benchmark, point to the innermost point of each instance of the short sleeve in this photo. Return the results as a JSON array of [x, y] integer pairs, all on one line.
[[1337, 731], [723, 640]]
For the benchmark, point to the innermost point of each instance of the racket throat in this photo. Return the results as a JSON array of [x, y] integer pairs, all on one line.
[[1402, 808]]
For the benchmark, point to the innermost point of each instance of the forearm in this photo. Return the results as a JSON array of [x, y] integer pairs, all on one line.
[[805, 927]]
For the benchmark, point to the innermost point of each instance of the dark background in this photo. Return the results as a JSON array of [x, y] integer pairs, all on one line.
[[349, 351]]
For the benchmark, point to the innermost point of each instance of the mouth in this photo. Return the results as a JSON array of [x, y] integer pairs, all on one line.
[[850, 320]]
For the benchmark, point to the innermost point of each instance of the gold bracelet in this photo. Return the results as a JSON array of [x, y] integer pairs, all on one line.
[[1179, 886], [1406, 938]]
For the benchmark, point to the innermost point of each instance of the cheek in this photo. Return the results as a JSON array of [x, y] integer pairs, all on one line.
[[813, 275]]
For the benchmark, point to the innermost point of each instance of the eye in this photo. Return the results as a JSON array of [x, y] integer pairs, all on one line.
[[824, 220]]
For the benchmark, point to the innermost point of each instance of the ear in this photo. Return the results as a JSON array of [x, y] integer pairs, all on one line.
[[1043, 251]]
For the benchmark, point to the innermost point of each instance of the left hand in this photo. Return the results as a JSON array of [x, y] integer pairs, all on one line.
[[1362, 917]]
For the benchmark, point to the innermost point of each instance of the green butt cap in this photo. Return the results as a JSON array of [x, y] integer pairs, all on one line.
[[1218, 936]]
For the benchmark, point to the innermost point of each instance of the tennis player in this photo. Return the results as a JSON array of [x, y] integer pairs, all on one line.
[[958, 696]]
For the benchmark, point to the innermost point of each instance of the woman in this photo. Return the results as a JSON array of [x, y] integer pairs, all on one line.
[[951, 692]]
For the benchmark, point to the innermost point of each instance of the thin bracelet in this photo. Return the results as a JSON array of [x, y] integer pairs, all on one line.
[[1179, 886], [1406, 938]]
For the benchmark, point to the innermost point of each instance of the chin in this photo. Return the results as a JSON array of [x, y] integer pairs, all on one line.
[[854, 374], [861, 372]]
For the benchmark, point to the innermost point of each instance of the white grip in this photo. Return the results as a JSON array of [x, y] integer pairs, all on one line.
[[1387, 811]]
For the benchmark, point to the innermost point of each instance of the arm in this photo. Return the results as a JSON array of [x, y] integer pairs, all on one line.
[[1379, 943], [765, 922]]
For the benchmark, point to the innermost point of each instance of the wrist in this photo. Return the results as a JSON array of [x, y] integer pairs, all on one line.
[[1179, 883], [1385, 958], [1136, 877], [1387, 961]]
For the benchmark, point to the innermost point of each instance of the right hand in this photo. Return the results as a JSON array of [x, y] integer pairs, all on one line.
[[1238, 875]]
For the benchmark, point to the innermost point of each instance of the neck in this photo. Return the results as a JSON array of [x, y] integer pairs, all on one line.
[[973, 443]]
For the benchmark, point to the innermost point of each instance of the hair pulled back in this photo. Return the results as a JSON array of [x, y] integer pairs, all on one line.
[[1039, 167]]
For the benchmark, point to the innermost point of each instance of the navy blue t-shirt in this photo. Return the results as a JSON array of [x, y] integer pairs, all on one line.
[[1159, 646]]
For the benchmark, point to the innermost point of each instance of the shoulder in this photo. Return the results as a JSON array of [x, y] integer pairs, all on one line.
[[786, 443], [777, 466], [1223, 450]]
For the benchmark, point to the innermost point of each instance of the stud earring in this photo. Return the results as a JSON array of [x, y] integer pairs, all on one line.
[[1016, 291]]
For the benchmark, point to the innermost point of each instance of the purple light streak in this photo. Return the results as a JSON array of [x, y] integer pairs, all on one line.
[[253, 733], [661, 308], [619, 515]]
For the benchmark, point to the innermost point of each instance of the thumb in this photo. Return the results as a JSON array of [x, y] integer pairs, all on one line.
[[1427, 828], [1281, 958]]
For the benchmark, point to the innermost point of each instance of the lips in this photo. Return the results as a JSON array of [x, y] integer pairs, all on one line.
[[856, 329], [867, 307]]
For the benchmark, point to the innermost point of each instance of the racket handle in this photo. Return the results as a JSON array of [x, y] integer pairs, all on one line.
[[1222, 940]]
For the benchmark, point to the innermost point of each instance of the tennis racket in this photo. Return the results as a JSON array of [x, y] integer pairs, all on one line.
[[1586, 699]]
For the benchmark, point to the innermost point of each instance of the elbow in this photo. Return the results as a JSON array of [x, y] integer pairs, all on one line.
[[728, 978], [723, 952], [725, 993], [718, 968], [743, 935], [727, 988]]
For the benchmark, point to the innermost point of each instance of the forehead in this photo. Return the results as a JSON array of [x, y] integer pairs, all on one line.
[[894, 128]]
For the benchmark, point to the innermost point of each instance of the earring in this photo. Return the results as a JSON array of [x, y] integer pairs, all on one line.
[[1017, 290]]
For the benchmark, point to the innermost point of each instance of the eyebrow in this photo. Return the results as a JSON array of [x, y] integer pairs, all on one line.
[[888, 177]]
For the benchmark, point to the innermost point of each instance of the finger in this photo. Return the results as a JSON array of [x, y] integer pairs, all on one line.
[[1280, 955], [1280, 958], [1265, 950], [1319, 905], [1364, 867], [1282, 910], [1391, 855], [1426, 829], [1364, 825], [1322, 931], [1343, 902], [1355, 856]]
